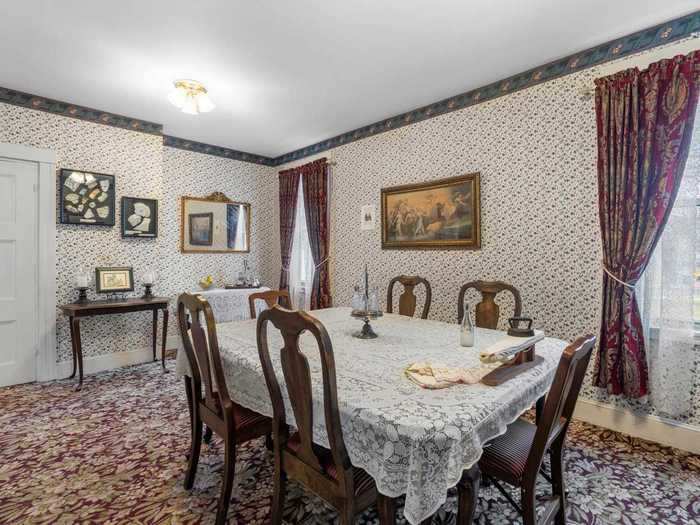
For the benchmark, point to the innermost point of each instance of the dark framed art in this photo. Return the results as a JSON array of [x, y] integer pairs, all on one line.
[[444, 213], [139, 218], [114, 279], [86, 198], [201, 228]]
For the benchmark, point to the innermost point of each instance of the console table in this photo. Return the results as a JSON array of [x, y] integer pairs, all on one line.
[[75, 311]]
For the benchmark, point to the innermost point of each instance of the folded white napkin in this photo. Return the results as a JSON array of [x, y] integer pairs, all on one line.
[[506, 347], [436, 376]]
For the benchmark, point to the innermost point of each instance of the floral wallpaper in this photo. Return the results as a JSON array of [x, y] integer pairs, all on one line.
[[536, 152], [142, 168]]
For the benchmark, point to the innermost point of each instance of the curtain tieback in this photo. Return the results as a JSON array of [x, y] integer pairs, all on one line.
[[623, 283]]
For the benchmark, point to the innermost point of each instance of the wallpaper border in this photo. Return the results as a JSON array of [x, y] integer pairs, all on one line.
[[649, 38], [66, 109], [219, 151]]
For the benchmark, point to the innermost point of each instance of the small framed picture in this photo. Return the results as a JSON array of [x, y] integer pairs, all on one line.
[[201, 229], [367, 214], [139, 218], [114, 279], [86, 198]]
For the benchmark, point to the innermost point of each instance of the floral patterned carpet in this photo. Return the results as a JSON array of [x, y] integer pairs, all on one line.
[[115, 453]]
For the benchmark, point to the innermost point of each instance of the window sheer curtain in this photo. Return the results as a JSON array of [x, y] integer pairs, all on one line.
[[667, 290], [301, 266]]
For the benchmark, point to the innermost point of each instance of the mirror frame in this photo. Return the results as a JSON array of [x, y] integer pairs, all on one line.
[[217, 197]]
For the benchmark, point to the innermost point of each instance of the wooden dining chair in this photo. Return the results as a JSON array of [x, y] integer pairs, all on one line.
[[487, 311], [326, 472], [271, 298], [407, 300], [213, 407], [516, 457]]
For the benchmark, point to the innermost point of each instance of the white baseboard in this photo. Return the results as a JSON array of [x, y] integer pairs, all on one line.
[[100, 363], [651, 428]]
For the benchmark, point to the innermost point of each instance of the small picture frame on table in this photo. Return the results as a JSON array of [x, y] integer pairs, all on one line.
[[114, 279]]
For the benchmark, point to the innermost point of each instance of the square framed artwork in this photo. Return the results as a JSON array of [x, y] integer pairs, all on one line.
[[86, 198], [439, 214], [114, 279], [201, 228], [139, 218]]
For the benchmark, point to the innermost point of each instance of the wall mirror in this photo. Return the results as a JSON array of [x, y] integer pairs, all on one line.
[[214, 224]]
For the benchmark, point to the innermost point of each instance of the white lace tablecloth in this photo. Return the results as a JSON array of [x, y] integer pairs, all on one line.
[[232, 305], [411, 440]]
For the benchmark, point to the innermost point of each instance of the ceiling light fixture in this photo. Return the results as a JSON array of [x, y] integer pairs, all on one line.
[[190, 97]]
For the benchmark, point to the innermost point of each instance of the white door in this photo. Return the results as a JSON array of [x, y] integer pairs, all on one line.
[[18, 277]]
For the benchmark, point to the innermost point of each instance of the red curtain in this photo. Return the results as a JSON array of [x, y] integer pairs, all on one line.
[[645, 122], [316, 206], [289, 188]]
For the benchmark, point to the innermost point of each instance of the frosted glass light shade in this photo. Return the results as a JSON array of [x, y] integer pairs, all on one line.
[[204, 103], [191, 97], [177, 97]]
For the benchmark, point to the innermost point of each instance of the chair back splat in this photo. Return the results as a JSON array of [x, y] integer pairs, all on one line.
[[407, 300], [487, 311], [271, 298]]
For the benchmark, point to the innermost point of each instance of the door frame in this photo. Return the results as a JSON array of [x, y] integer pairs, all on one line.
[[45, 194]]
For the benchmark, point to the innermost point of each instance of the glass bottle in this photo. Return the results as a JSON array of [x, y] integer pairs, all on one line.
[[466, 330], [373, 300], [357, 300]]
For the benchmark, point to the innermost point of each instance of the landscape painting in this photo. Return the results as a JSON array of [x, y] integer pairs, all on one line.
[[443, 213]]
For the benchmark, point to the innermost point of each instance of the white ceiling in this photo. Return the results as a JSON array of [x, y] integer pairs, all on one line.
[[286, 74]]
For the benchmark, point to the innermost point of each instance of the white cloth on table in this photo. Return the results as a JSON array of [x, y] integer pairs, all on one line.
[[411, 440], [231, 305]]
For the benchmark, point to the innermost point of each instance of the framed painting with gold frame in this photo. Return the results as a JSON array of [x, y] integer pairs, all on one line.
[[439, 214], [214, 224]]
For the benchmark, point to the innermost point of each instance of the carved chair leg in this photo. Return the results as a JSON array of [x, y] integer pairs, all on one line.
[[386, 508], [558, 484], [280, 485], [207, 434], [227, 484], [528, 505], [468, 494], [196, 446], [188, 393]]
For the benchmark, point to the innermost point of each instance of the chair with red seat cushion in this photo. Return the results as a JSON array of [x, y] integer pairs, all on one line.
[[327, 472], [516, 457], [234, 423]]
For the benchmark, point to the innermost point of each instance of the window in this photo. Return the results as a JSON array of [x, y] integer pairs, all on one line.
[[669, 296], [301, 267]]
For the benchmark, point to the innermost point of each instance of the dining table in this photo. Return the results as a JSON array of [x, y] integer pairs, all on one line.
[[413, 441]]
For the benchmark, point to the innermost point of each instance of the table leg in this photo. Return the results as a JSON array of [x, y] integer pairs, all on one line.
[[78, 349], [72, 346], [166, 314], [468, 488], [155, 331]]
